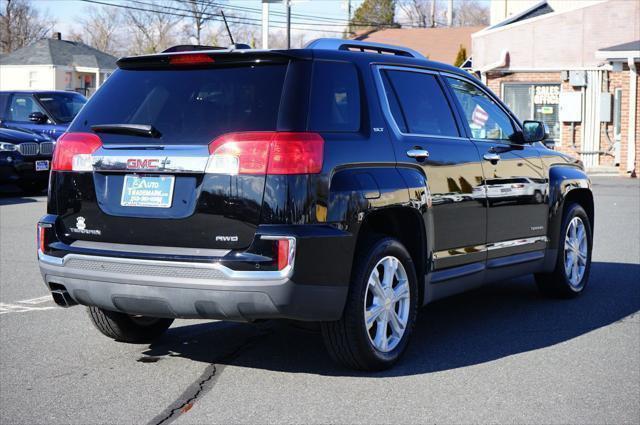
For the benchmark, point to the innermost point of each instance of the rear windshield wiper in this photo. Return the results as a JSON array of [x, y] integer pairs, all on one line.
[[143, 130]]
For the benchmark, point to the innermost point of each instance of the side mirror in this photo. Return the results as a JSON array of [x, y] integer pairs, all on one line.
[[534, 131], [38, 117]]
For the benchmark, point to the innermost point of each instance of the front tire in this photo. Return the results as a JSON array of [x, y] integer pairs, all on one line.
[[125, 328], [573, 264], [381, 309]]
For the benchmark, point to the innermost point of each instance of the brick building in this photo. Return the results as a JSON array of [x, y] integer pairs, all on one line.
[[576, 69]]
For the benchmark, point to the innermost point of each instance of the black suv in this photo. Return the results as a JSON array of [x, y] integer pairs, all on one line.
[[345, 183]]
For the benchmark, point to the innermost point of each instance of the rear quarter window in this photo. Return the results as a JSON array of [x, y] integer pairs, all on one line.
[[335, 97]]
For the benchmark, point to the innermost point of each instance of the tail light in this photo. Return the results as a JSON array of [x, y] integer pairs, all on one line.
[[283, 253], [266, 153], [73, 152], [42, 236]]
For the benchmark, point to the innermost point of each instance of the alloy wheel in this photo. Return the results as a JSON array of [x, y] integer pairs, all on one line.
[[387, 304], [575, 251]]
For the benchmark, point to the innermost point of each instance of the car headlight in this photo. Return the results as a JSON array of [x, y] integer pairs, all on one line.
[[7, 147]]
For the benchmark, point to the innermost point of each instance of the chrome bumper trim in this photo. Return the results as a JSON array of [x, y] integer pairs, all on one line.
[[166, 266]]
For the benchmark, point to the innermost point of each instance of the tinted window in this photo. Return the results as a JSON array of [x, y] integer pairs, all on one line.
[[63, 107], [4, 104], [335, 97], [422, 103], [21, 106], [394, 106], [486, 120], [188, 106]]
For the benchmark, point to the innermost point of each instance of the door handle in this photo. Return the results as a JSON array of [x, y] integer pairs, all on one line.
[[492, 157], [418, 153]]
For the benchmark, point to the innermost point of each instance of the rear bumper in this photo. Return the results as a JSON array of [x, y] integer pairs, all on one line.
[[189, 290]]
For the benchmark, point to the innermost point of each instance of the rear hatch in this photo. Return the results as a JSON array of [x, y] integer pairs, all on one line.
[[147, 177]]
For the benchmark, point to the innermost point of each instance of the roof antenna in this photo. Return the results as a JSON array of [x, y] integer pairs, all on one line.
[[227, 25]]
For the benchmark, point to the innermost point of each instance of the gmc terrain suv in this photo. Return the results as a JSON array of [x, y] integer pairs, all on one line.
[[346, 183]]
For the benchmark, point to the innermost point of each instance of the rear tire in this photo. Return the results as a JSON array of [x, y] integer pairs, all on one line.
[[381, 309], [573, 264], [125, 328]]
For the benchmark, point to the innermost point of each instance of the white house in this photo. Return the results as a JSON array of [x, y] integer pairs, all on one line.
[[56, 64]]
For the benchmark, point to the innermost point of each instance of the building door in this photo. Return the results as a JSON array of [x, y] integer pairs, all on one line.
[[514, 178], [420, 114]]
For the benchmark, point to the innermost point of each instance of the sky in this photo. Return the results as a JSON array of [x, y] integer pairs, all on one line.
[[65, 12]]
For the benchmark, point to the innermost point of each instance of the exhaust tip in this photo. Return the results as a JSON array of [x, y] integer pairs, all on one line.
[[61, 296]]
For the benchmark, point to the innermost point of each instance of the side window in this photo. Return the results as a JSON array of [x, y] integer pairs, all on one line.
[[485, 118], [335, 97], [4, 104], [21, 106], [422, 104]]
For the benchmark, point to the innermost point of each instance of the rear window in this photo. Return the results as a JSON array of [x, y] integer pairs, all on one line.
[[188, 106], [335, 97], [63, 107]]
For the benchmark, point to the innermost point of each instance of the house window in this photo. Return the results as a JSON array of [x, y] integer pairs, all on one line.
[[538, 102], [33, 79], [67, 80], [617, 114]]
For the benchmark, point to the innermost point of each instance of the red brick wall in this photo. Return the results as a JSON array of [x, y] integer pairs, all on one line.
[[616, 80]]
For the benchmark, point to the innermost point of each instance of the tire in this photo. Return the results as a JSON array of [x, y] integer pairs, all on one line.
[[125, 328], [570, 277], [349, 340]]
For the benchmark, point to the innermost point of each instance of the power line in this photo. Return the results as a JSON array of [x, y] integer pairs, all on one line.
[[210, 16]]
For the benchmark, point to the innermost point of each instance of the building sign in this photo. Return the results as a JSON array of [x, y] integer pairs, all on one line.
[[546, 95]]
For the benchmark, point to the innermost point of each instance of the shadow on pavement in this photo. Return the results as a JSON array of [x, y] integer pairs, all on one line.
[[490, 323]]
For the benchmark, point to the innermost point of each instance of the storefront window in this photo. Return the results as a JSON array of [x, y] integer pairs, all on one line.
[[538, 102]]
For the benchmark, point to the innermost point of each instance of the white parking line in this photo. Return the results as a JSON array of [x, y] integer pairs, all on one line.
[[15, 308], [26, 305], [38, 300]]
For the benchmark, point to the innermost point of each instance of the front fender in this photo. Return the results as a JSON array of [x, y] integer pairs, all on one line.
[[563, 181]]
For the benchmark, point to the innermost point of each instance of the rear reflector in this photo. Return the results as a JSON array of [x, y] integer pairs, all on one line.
[[73, 152], [193, 59], [266, 152]]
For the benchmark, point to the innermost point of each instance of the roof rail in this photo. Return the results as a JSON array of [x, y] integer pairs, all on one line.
[[362, 46]]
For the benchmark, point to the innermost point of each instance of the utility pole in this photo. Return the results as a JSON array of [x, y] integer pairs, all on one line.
[[265, 25], [349, 18], [450, 14], [288, 5], [433, 13]]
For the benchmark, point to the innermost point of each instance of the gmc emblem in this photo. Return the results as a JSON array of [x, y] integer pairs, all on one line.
[[146, 164]]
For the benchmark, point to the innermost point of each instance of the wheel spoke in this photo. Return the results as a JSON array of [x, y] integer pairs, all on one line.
[[397, 327], [401, 291], [375, 284], [372, 314], [390, 267], [382, 340]]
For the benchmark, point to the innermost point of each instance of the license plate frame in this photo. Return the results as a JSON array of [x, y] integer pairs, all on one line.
[[42, 165], [147, 191]]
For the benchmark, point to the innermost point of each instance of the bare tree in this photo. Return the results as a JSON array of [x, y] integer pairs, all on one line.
[[200, 14], [417, 12], [152, 29], [469, 13], [21, 25], [100, 27]]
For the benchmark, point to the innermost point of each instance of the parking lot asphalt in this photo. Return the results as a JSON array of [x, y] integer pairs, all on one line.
[[500, 354]]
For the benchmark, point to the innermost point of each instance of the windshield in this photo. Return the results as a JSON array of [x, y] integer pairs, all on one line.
[[187, 106], [63, 107]]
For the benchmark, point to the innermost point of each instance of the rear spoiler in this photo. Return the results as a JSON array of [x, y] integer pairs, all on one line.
[[220, 56]]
